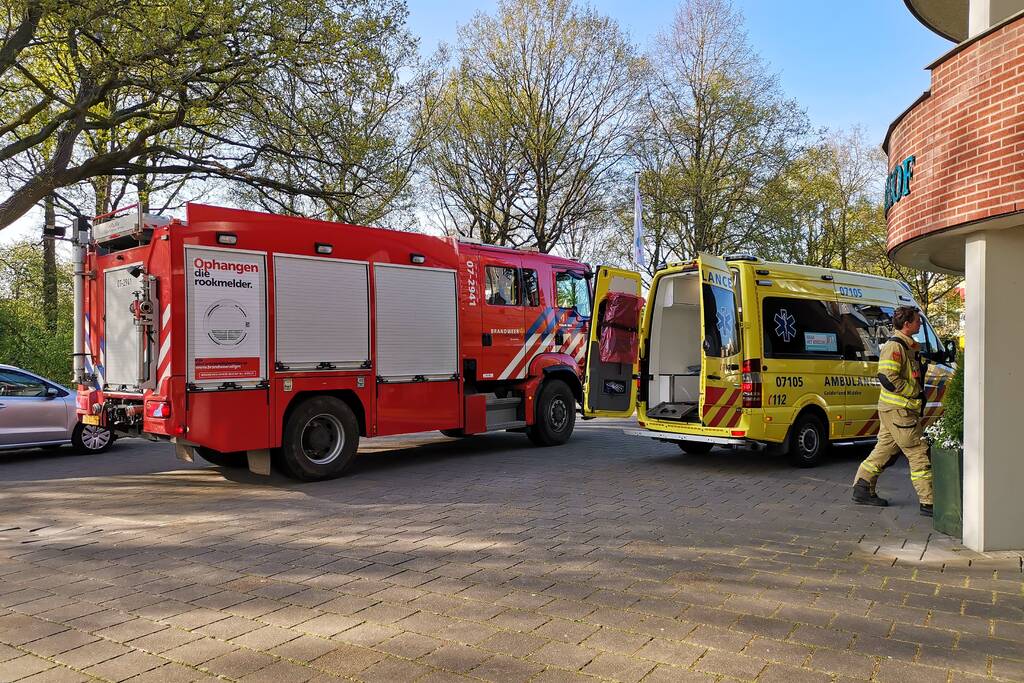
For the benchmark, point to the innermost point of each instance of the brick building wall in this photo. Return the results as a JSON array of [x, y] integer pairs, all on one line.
[[966, 137]]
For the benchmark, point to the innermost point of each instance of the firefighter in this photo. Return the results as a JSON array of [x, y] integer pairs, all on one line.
[[900, 409]]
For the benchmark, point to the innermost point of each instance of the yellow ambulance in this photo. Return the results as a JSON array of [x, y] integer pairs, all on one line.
[[736, 351]]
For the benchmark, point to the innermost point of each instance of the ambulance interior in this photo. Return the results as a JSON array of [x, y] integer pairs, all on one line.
[[673, 393]]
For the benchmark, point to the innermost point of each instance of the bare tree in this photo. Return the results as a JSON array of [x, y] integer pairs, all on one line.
[[120, 89], [537, 112], [721, 117]]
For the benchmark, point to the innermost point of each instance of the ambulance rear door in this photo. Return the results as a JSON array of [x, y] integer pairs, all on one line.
[[720, 385], [609, 388]]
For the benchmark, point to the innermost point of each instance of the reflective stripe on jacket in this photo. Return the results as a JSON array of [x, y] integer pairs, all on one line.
[[901, 368]]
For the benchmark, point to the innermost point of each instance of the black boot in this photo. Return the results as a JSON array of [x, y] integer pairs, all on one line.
[[926, 510], [864, 494]]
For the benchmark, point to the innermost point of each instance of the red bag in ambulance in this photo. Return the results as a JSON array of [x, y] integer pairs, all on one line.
[[620, 322]]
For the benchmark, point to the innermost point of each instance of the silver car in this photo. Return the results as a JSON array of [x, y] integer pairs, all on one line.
[[37, 412]]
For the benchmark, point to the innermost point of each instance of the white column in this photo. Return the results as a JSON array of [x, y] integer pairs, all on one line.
[[993, 381], [983, 14]]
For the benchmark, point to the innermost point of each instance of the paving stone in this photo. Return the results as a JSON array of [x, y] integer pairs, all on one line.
[[455, 657], [730, 664], [619, 667], [563, 655], [199, 651], [848, 664], [62, 642], [347, 660], [93, 653], [780, 673], [22, 667], [671, 652], [895, 671], [391, 670], [792, 654], [126, 666]]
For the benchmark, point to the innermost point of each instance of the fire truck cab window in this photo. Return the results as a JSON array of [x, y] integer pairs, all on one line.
[[501, 287], [531, 288], [573, 291]]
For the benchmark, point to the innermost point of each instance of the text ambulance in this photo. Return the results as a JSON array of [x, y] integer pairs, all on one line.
[[738, 351], [248, 337]]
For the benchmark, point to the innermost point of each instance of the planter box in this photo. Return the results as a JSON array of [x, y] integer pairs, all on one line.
[[948, 481]]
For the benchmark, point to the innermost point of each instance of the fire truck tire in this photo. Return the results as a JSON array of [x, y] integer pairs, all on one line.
[[320, 439], [695, 447], [231, 459], [808, 441], [556, 414], [91, 439]]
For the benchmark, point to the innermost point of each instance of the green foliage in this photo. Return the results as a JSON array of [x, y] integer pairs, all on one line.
[[951, 424], [24, 338]]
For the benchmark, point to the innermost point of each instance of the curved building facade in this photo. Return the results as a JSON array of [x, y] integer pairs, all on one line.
[[954, 201]]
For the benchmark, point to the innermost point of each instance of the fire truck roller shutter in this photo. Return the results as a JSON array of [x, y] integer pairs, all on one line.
[[417, 323], [323, 313]]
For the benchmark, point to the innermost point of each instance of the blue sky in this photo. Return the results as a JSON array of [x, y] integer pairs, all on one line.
[[847, 62]]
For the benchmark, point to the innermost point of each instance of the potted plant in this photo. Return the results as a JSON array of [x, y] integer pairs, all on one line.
[[947, 451]]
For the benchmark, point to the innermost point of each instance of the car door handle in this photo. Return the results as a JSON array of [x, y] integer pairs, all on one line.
[[714, 377]]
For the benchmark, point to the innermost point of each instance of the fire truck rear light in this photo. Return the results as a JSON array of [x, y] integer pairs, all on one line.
[[751, 387], [227, 238], [158, 409], [417, 258], [323, 248]]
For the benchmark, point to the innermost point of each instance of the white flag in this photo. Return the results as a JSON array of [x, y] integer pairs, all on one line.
[[638, 223]]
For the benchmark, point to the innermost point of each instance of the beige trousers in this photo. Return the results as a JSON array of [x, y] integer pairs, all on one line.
[[901, 430]]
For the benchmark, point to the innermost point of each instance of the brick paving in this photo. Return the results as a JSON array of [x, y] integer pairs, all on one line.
[[611, 558]]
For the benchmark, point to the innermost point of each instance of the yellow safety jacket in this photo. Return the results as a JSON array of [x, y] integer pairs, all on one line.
[[900, 374]]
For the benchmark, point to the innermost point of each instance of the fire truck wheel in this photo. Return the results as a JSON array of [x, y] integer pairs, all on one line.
[[695, 447], [91, 439], [320, 439], [232, 459], [556, 414], [808, 441]]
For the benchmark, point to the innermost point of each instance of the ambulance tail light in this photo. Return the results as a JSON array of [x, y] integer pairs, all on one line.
[[751, 387]]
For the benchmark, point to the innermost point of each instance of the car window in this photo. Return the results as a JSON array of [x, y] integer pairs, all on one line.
[[18, 384], [864, 328]]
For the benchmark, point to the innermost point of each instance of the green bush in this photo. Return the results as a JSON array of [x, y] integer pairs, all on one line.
[[951, 424]]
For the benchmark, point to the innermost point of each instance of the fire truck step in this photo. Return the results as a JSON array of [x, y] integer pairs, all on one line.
[[503, 413]]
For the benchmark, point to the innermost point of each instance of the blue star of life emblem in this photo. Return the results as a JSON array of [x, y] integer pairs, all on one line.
[[785, 325], [725, 323]]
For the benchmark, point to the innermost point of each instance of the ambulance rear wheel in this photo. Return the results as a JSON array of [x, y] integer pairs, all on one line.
[[231, 459], [556, 414], [695, 447], [320, 439], [808, 441]]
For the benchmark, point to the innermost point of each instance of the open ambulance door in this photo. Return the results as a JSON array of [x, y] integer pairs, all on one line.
[[720, 382], [609, 388]]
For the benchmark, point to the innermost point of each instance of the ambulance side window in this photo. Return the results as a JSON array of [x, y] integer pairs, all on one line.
[[501, 286], [531, 288], [864, 329], [801, 328]]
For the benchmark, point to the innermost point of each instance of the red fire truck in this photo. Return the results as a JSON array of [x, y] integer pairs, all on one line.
[[251, 338]]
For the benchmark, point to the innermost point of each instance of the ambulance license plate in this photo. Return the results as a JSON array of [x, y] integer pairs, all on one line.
[[91, 419]]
